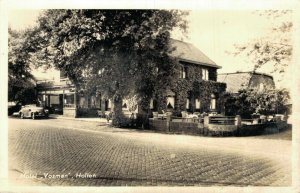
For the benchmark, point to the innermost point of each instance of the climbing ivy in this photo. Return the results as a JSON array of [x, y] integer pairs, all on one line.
[[197, 89]]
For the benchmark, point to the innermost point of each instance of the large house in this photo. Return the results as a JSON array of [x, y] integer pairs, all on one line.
[[197, 71]]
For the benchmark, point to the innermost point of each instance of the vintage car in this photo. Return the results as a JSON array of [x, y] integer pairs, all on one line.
[[33, 111], [13, 107]]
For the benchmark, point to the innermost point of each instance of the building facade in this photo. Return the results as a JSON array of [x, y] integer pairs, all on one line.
[[197, 89]]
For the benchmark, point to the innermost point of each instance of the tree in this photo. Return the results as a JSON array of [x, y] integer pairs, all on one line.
[[247, 102], [21, 85], [116, 52], [275, 48]]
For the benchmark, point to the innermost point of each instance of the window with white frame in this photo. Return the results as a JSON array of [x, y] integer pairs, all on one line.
[[187, 103], [197, 103], [109, 104], [82, 102], [151, 104], [93, 102], [213, 102], [184, 72], [261, 87], [170, 102], [204, 74], [124, 104]]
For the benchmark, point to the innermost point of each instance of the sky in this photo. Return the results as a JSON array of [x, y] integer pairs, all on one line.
[[214, 32]]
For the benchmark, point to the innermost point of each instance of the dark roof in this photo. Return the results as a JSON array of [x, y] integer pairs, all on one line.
[[238, 80], [187, 52]]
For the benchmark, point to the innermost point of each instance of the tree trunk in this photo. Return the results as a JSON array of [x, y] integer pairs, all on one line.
[[118, 119], [143, 113]]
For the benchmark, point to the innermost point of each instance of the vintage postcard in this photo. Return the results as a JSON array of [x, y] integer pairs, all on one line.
[[140, 97]]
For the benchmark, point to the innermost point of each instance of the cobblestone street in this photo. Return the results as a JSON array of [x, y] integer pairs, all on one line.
[[66, 152]]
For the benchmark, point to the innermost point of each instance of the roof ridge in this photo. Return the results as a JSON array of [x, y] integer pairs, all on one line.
[[187, 51], [243, 72]]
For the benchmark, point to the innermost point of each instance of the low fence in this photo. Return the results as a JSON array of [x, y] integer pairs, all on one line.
[[222, 120], [222, 125], [183, 126], [208, 125], [215, 125]]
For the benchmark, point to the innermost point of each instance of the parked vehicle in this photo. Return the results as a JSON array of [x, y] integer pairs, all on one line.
[[33, 111], [14, 107]]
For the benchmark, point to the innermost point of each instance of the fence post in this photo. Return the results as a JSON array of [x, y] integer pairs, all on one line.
[[206, 121], [238, 121], [168, 119]]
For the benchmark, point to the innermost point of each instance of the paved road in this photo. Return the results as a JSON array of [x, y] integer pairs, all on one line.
[[65, 152]]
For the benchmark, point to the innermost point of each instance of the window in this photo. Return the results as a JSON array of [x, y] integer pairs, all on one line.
[[109, 104], [213, 102], [261, 87], [82, 103], [151, 104], [184, 72], [54, 99], [69, 100], [197, 104], [93, 102], [187, 103], [170, 102], [124, 105], [62, 74], [101, 71], [204, 74]]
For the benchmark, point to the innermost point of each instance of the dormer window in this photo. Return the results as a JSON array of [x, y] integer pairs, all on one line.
[[204, 74], [261, 87]]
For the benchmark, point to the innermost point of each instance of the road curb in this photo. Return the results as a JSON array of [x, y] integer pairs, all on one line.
[[94, 120]]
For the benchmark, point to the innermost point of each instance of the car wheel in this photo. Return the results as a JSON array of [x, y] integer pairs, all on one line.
[[21, 115], [33, 116]]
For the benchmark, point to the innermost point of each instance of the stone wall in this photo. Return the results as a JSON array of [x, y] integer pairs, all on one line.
[[185, 127], [255, 129], [159, 125], [222, 128]]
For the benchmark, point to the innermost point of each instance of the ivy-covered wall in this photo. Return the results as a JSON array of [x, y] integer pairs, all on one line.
[[197, 89], [193, 87], [194, 71]]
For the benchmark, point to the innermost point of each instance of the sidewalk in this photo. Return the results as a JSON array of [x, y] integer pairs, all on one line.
[[87, 119]]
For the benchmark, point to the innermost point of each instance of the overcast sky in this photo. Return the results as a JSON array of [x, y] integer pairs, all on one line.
[[214, 32]]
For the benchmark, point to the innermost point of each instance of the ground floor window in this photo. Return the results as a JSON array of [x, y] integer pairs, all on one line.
[[213, 102], [69, 100], [54, 100], [151, 104], [197, 104], [170, 102], [187, 103], [93, 102], [124, 104], [82, 103], [107, 105]]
